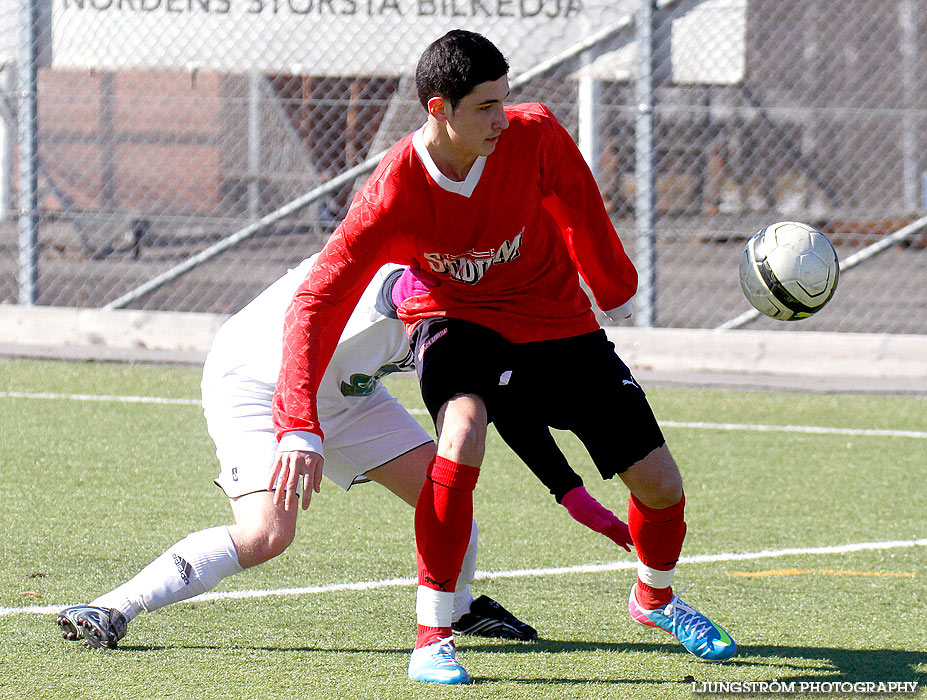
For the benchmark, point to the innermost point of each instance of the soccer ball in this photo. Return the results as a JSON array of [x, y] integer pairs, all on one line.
[[789, 270]]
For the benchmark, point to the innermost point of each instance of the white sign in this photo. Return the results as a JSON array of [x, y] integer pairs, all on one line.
[[708, 44], [9, 31], [311, 37]]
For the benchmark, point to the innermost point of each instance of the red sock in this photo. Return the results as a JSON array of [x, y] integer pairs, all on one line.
[[443, 517], [430, 635], [658, 534]]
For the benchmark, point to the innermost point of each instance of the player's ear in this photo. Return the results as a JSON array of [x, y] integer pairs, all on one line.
[[437, 108]]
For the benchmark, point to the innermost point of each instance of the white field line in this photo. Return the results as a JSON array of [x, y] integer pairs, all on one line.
[[104, 398], [812, 429], [523, 573], [697, 425]]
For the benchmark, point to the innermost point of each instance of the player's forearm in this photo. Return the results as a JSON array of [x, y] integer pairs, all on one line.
[[312, 328], [530, 439], [313, 324], [586, 227], [603, 264], [295, 408]]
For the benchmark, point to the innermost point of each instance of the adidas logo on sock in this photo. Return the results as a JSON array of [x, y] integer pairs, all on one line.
[[183, 568]]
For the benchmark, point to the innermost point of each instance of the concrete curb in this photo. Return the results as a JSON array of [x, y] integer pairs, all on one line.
[[697, 357], [874, 355], [110, 334]]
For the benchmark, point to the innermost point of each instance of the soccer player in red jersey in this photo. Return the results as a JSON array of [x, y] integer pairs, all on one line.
[[498, 204]]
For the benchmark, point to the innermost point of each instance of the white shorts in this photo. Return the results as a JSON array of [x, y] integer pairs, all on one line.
[[376, 430]]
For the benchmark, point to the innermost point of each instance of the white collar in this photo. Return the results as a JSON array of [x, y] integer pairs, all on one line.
[[465, 187]]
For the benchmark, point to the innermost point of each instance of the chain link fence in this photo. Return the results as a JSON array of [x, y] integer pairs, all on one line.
[[184, 153]]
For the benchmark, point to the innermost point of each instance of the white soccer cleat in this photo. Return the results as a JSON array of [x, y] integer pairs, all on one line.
[[100, 627], [68, 624]]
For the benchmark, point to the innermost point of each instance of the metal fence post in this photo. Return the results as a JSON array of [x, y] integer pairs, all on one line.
[[28, 153], [645, 313], [7, 126], [589, 96], [909, 149], [255, 83]]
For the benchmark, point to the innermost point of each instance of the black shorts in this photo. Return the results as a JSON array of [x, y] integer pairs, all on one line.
[[577, 384], [457, 357]]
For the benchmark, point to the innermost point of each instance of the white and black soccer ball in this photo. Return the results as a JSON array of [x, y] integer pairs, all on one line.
[[789, 270]]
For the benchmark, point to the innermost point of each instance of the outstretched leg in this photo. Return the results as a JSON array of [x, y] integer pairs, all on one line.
[[194, 565]]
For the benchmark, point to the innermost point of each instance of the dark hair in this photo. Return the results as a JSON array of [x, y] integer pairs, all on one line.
[[455, 64]]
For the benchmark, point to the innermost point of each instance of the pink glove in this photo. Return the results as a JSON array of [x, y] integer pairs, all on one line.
[[588, 511], [412, 282]]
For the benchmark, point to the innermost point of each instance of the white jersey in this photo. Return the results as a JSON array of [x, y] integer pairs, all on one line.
[[250, 343], [241, 370]]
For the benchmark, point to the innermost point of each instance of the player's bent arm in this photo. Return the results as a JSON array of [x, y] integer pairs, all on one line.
[[532, 441], [573, 198], [319, 311]]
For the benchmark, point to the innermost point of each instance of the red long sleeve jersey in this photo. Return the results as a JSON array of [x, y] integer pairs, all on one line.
[[506, 244]]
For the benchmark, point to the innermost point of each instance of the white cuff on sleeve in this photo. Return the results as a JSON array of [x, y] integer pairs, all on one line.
[[302, 441], [619, 313]]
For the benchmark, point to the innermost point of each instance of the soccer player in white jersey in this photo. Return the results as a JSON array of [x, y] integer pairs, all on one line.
[[369, 437]]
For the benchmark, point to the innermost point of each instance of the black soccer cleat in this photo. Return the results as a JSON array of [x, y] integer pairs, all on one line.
[[489, 619]]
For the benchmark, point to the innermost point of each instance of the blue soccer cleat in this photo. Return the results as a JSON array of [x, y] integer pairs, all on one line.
[[699, 635], [436, 663]]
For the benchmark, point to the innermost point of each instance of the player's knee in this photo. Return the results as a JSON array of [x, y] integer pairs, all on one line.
[[275, 543], [462, 429], [655, 480], [262, 544], [666, 491], [464, 448]]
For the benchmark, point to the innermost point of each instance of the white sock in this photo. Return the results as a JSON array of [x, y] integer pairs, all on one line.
[[655, 578], [433, 608], [462, 596], [194, 565]]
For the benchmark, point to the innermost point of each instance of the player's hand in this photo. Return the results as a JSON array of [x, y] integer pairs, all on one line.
[[289, 469], [588, 511]]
